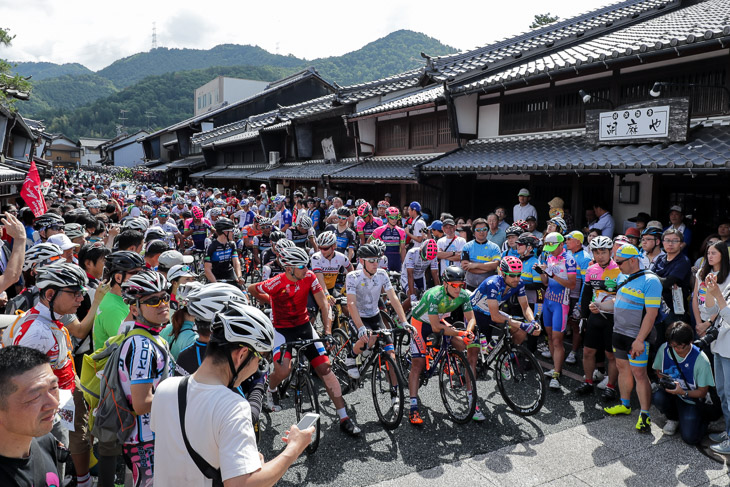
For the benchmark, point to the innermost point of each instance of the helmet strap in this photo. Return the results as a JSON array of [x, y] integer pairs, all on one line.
[[235, 371], [144, 321]]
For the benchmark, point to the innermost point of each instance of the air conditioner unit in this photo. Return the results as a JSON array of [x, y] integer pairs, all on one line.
[[273, 157]]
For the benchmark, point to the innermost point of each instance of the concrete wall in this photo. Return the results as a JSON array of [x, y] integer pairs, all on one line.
[[466, 114], [623, 211], [488, 121], [129, 155]]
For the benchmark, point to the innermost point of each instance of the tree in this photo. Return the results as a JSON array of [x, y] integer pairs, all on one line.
[[12, 85], [543, 19]]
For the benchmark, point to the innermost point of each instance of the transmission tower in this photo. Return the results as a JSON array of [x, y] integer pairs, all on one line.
[[122, 117], [154, 35], [149, 116]]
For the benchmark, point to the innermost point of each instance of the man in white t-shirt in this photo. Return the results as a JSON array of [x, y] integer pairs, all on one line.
[[217, 420], [416, 230], [523, 209], [449, 245]]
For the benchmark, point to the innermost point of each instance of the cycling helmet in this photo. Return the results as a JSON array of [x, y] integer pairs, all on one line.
[[359, 202], [429, 249], [293, 256], [124, 260], [553, 241], [155, 201], [184, 290], [216, 212], [206, 301], [392, 211], [164, 210], [179, 201], [514, 230], [522, 224], [528, 239], [380, 245], [245, 325], [197, 212], [74, 230], [511, 264], [283, 243], [48, 219], [155, 233], [40, 254], [278, 199], [342, 211], [223, 224], [143, 284], [140, 224], [327, 239], [265, 222], [147, 209], [95, 203], [60, 275], [364, 209], [383, 204], [601, 242], [453, 274], [186, 214], [560, 224], [653, 231], [298, 194], [621, 239], [219, 202], [276, 236], [368, 251], [305, 222]]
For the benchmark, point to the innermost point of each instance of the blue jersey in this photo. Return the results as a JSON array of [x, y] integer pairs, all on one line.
[[494, 288], [561, 266], [643, 292], [582, 262]]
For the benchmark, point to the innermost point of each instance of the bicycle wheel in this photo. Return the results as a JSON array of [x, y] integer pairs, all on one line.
[[520, 380], [305, 401], [402, 346], [388, 400], [454, 374], [338, 355]]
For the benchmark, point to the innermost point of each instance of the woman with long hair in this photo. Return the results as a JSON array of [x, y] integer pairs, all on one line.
[[717, 263]]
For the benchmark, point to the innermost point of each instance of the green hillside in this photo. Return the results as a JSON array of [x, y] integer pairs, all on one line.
[[67, 92], [41, 71]]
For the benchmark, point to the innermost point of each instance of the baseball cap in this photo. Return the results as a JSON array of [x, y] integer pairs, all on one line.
[[552, 241], [171, 258], [675, 208], [627, 251], [415, 205], [436, 225], [632, 232], [531, 218], [447, 221], [62, 241], [654, 224], [524, 192], [641, 217], [576, 235], [388, 195], [155, 247]]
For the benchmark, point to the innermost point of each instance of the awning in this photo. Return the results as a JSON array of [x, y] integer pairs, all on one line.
[[203, 173], [10, 174], [233, 139], [162, 167], [309, 170], [187, 162], [235, 173], [383, 168]]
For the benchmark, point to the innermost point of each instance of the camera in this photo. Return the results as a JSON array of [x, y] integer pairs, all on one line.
[[710, 336], [666, 383]]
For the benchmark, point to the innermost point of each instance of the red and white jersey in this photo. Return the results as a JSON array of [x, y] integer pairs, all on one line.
[[289, 298]]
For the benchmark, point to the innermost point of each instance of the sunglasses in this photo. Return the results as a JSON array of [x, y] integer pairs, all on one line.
[[255, 353], [480, 230], [55, 227], [342, 217], [162, 215], [326, 248], [372, 261], [457, 284], [76, 294], [511, 274], [619, 262], [300, 267], [393, 217], [157, 302], [265, 227]]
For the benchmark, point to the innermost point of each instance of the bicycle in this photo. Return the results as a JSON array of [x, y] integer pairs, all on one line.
[[519, 376], [453, 370], [305, 396], [388, 399]]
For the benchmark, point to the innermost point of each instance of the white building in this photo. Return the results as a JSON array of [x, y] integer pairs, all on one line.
[[90, 150], [123, 151], [223, 90]]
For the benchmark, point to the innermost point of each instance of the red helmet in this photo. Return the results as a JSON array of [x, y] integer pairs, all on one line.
[[197, 212], [511, 264], [429, 249], [383, 204], [521, 223], [364, 209]]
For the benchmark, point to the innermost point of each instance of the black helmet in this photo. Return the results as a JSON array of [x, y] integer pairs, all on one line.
[[155, 233], [124, 260], [368, 251], [48, 219], [514, 230], [453, 274], [276, 236], [528, 239], [343, 211], [223, 224]]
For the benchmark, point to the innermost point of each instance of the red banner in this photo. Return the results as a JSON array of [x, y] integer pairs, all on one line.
[[31, 192]]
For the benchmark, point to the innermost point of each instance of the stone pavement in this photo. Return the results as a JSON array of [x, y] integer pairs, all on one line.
[[608, 452]]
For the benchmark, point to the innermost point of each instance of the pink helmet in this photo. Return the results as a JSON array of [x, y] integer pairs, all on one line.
[[511, 264], [383, 204], [197, 212], [392, 211], [364, 209], [429, 249]]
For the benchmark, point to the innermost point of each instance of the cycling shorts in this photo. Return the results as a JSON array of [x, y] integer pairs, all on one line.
[[372, 323], [315, 353], [418, 339], [555, 315], [622, 350], [599, 332]]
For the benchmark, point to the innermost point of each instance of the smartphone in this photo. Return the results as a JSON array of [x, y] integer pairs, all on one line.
[[307, 420]]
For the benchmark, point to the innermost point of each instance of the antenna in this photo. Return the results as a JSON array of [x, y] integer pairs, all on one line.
[[154, 35]]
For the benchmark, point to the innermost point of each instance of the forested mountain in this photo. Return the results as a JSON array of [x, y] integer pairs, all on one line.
[[67, 92], [41, 71]]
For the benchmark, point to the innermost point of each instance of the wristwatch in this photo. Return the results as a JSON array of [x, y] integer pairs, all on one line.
[[686, 395]]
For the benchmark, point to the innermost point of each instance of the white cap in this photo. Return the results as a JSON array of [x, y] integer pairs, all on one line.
[[62, 241], [171, 258]]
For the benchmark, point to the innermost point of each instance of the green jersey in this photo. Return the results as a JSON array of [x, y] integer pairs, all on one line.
[[112, 311], [436, 301]]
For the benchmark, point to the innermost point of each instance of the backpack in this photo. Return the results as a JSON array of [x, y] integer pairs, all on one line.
[[112, 416]]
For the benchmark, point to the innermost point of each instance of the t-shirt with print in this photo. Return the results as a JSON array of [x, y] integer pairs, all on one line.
[[450, 244], [39, 469], [642, 292], [695, 369]]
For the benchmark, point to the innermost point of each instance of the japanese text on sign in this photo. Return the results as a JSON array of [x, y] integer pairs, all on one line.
[[634, 123]]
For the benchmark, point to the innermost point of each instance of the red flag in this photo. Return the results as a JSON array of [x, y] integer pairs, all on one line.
[[31, 192]]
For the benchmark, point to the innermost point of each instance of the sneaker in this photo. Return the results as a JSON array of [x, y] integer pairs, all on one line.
[[415, 417], [584, 389], [546, 353], [718, 437], [548, 373], [603, 384], [352, 369], [598, 376], [617, 409], [721, 448], [643, 424], [570, 359], [272, 402], [541, 347], [478, 415], [348, 426], [554, 384], [670, 427], [609, 394]]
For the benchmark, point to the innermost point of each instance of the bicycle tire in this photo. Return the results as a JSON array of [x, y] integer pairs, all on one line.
[[389, 413], [520, 380], [402, 346], [338, 355], [306, 401], [454, 374]]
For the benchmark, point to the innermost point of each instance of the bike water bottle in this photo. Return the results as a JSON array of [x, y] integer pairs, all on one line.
[[484, 344]]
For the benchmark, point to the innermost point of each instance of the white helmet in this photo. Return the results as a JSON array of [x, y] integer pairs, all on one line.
[[95, 203], [180, 271], [143, 284], [284, 243], [61, 275], [74, 230], [293, 256], [204, 303], [138, 223], [184, 290], [40, 254], [327, 239], [601, 242], [305, 222], [240, 323]]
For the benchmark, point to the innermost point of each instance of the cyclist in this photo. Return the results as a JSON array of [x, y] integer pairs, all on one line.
[[172, 236], [435, 304], [272, 266], [394, 238], [287, 294], [382, 207], [221, 257], [559, 275], [479, 257], [344, 234], [283, 217], [382, 259], [263, 241], [36, 257], [413, 274], [197, 228], [328, 263], [574, 245], [364, 288], [527, 245], [486, 301], [596, 304], [367, 223], [303, 234]]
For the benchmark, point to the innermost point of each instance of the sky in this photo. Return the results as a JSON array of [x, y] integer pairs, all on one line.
[[96, 33]]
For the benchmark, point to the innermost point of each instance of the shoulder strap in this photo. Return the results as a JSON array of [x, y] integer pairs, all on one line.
[[204, 467], [632, 277]]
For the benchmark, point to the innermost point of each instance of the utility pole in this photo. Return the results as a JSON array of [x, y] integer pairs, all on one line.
[[154, 35], [149, 116], [122, 117]]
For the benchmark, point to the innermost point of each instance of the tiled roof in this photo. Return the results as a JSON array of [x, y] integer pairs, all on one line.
[[699, 22], [568, 151], [531, 43], [426, 95], [304, 170], [384, 168], [222, 131], [236, 172], [363, 91], [205, 172], [307, 108], [233, 139], [187, 162]]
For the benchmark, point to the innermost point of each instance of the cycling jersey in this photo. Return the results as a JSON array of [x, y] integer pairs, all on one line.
[[170, 230], [251, 232], [561, 266], [479, 253], [345, 238], [245, 218], [300, 239], [289, 298], [262, 242], [392, 237], [602, 282], [367, 290], [330, 268], [367, 228], [643, 292], [314, 214], [494, 288], [200, 231], [436, 301], [282, 218], [414, 261], [582, 261], [271, 266], [220, 256]]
